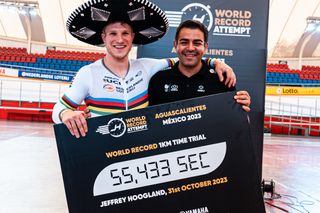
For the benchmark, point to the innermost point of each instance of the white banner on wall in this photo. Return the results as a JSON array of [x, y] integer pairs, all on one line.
[[4, 71]]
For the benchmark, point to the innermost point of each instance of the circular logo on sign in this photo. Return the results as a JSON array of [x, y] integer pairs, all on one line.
[[198, 12], [279, 90], [116, 127]]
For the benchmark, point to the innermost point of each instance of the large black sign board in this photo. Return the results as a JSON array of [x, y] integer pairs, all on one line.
[[194, 155]]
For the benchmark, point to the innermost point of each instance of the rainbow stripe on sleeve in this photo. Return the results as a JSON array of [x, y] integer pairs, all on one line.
[[209, 62], [67, 102], [171, 62]]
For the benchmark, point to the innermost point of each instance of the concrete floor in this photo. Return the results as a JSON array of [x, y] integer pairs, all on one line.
[[31, 180]]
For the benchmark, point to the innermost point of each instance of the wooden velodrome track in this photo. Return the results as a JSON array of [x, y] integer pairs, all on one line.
[[31, 181]]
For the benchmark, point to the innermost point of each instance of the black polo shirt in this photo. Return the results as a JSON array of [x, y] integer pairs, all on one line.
[[171, 85]]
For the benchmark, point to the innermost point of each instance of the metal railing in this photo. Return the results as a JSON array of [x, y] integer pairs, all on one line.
[[303, 112], [38, 91]]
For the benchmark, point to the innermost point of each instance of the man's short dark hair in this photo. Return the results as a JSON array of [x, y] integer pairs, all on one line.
[[192, 24]]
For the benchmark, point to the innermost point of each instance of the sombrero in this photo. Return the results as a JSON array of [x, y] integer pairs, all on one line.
[[147, 20]]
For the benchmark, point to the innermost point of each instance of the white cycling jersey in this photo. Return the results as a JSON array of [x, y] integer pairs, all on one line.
[[104, 92]]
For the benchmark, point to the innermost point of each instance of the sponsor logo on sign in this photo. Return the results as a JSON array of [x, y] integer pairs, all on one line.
[[117, 127], [222, 22], [198, 210]]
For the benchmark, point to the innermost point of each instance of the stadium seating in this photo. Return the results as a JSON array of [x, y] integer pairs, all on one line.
[[283, 75], [53, 61], [68, 62]]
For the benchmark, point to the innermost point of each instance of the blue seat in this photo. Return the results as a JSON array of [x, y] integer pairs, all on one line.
[[269, 79]]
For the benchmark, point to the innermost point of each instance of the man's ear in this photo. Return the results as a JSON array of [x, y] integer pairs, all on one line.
[[103, 35], [206, 46], [133, 35], [175, 45]]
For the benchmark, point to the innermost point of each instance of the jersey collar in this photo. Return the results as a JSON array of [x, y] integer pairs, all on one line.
[[203, 71]]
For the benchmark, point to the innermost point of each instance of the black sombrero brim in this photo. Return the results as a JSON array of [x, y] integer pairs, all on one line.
[[147, 20]]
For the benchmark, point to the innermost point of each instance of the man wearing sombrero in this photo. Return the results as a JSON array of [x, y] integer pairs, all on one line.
[[115, 83]]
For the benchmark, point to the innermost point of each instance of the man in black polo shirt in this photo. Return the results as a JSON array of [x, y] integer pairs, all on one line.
[[191, 76]]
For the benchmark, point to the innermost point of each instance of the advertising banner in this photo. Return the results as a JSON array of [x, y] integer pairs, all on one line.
[[293, 91], [45, 76], [4, 71], [187, 156], [237, 35]]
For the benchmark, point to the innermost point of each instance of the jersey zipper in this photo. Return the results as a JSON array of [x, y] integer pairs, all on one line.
[[125, 94]]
